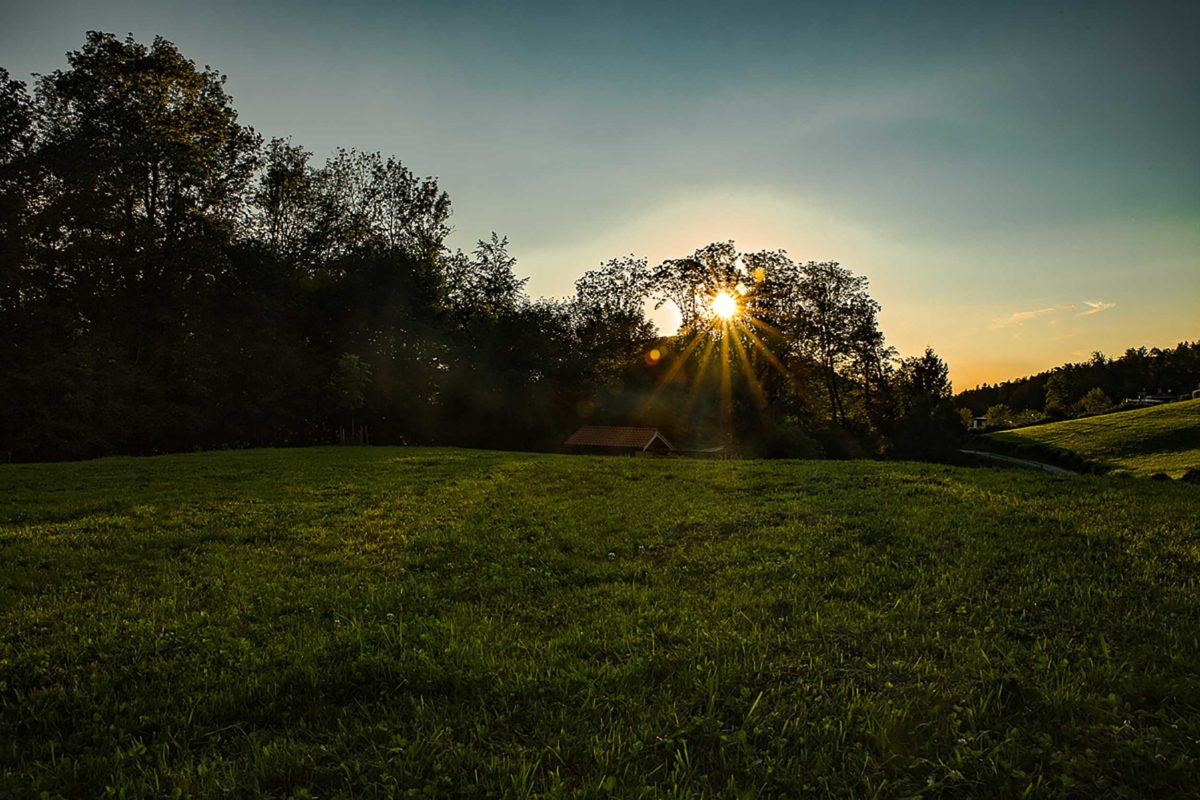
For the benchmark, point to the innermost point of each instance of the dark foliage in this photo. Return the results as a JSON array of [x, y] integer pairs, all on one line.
[[169, 281], [1063, 391]]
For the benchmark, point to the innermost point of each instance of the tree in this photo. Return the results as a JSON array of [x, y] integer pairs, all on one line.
[[16, 141], [688, 282], [1094, 402], [486, 284], [143, 142], [927, 424], [736, 370], [350, 380], [608, 317], [134, 169], [19, 279], [146, 168], [1058, 394], [794, 321], [999, 416], [369, 201], [837, 315], [286, 206], [925, 377]]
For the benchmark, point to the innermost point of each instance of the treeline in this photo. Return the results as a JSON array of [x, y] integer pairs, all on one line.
[[171, 281], [1093, 386]]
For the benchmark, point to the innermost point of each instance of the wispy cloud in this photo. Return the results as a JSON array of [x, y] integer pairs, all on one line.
[[1021, 317], [1095, 307]]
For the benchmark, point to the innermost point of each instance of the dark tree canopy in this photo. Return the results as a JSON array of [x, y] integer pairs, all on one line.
[[171, 281], [1059, 391]]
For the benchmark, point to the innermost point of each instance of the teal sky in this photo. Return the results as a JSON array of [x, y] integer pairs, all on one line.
[[1021, 185]]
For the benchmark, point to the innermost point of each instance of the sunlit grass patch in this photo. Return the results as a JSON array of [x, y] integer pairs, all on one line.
[[1162, 439]]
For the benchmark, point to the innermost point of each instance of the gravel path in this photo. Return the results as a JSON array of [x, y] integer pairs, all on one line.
[[1022, 461]]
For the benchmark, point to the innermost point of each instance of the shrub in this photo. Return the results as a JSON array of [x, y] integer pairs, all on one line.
[[838, 443], [999, 416], [787, 441], [1094, 402]]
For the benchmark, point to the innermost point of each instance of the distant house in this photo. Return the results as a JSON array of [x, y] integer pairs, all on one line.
[[1144, 400], [618, 439], [978, 423]]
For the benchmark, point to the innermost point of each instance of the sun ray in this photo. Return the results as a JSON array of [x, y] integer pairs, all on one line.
[[678, 364], [763, 325], [705, 361], [760, 397], [771, 358], [722, 313], [726, 384]]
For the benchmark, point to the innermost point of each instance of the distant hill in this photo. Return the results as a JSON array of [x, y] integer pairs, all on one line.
[[1164, 438], [1136, 372]]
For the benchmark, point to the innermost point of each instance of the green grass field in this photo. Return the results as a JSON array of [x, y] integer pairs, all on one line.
[[392, 622], [1163, 439]]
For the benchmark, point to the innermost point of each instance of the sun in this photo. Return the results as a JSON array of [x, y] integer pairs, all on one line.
[[725, 305]]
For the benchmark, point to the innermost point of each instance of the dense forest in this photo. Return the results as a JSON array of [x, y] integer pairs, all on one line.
[[169, 280], [1090, 387]]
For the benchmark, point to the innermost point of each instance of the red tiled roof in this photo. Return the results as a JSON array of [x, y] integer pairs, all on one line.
[[616, 436]]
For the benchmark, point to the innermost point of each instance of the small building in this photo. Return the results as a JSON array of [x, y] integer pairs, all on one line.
[[618, 439], [978, 423], [1144, 400]]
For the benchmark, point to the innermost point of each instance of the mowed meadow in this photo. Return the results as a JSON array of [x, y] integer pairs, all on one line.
[[390, 622]]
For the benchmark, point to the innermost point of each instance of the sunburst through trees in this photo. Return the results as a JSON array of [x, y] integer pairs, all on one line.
[[761, 331]]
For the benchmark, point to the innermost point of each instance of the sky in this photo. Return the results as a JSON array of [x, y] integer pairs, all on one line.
[[1019, 183]]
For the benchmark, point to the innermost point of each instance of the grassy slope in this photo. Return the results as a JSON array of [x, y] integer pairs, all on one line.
[[372, 622], [1161, 439]]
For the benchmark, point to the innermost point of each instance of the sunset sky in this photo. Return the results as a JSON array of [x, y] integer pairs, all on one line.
[[1021, 187]]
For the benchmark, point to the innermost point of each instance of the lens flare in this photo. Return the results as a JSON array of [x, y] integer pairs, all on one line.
[[725, 305]]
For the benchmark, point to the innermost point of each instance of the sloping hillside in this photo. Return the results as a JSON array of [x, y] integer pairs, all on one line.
[[1164, 439]]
